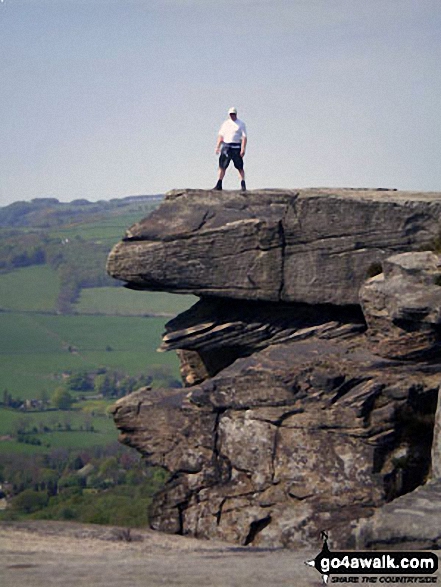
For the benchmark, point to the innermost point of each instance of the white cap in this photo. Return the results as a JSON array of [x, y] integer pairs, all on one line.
[[232, 111]]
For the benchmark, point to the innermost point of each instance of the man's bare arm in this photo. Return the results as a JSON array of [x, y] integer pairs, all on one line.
[[220, 140], [243, 146]]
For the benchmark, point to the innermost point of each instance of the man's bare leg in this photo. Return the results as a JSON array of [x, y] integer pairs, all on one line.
[[243, 186], [221, 175]]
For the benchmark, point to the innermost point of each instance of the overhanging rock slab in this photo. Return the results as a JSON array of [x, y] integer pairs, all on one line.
[[311, 245]]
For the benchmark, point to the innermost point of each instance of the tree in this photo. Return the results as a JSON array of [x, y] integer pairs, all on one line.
[[105, 385], [62, 399], [44, 398], [6, 398], [110, 471], [163, 377], [80, 382], [67, 421], [46, 480], [29, 501], [22, 425]]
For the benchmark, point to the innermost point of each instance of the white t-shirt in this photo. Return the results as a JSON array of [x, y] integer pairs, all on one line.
[[232, 131]]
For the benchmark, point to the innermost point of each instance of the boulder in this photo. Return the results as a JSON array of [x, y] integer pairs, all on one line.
[[411, 522], [402, 307]]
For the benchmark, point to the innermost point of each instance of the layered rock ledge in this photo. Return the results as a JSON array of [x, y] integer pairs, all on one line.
[[313, 246], [311, 388]]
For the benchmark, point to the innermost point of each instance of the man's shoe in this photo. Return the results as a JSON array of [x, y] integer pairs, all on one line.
[[243, 186], [218, 186]]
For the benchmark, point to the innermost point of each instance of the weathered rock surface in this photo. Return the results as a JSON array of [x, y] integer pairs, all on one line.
[[296, 438], [402, 306], [411, 522], [215, 332], [309, 405], [312, 245]]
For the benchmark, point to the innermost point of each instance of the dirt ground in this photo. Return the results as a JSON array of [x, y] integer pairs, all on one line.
[[58, 554], [52, 554]]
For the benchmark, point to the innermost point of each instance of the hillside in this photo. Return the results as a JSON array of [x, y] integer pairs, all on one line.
[[72, 239], [50, 212], [59, 311], [73, 341]]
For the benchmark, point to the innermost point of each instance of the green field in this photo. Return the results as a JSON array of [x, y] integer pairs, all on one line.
[[107, 230], [35, 289], [78, 437], [107, 329], [36, 349], [32, 289], [119, 301]]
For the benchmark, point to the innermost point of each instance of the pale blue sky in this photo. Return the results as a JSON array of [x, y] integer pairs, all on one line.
[[108, 98]]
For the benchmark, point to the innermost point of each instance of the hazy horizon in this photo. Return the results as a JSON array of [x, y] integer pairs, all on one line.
[[103, 99], [73, 200]]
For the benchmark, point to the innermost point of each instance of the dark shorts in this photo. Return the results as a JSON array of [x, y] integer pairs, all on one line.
[[228, 153]]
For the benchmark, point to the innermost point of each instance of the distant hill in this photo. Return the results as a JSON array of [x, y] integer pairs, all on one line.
[[61, 315], [72, 238], [49, 212]]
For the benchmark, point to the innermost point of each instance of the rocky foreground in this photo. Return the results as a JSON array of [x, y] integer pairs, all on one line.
[[312, 365]]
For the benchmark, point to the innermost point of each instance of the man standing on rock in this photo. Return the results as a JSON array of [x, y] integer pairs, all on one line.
[[231, 144]]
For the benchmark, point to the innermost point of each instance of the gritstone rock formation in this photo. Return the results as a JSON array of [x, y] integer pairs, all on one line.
[[311, 246], [310, 403]]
